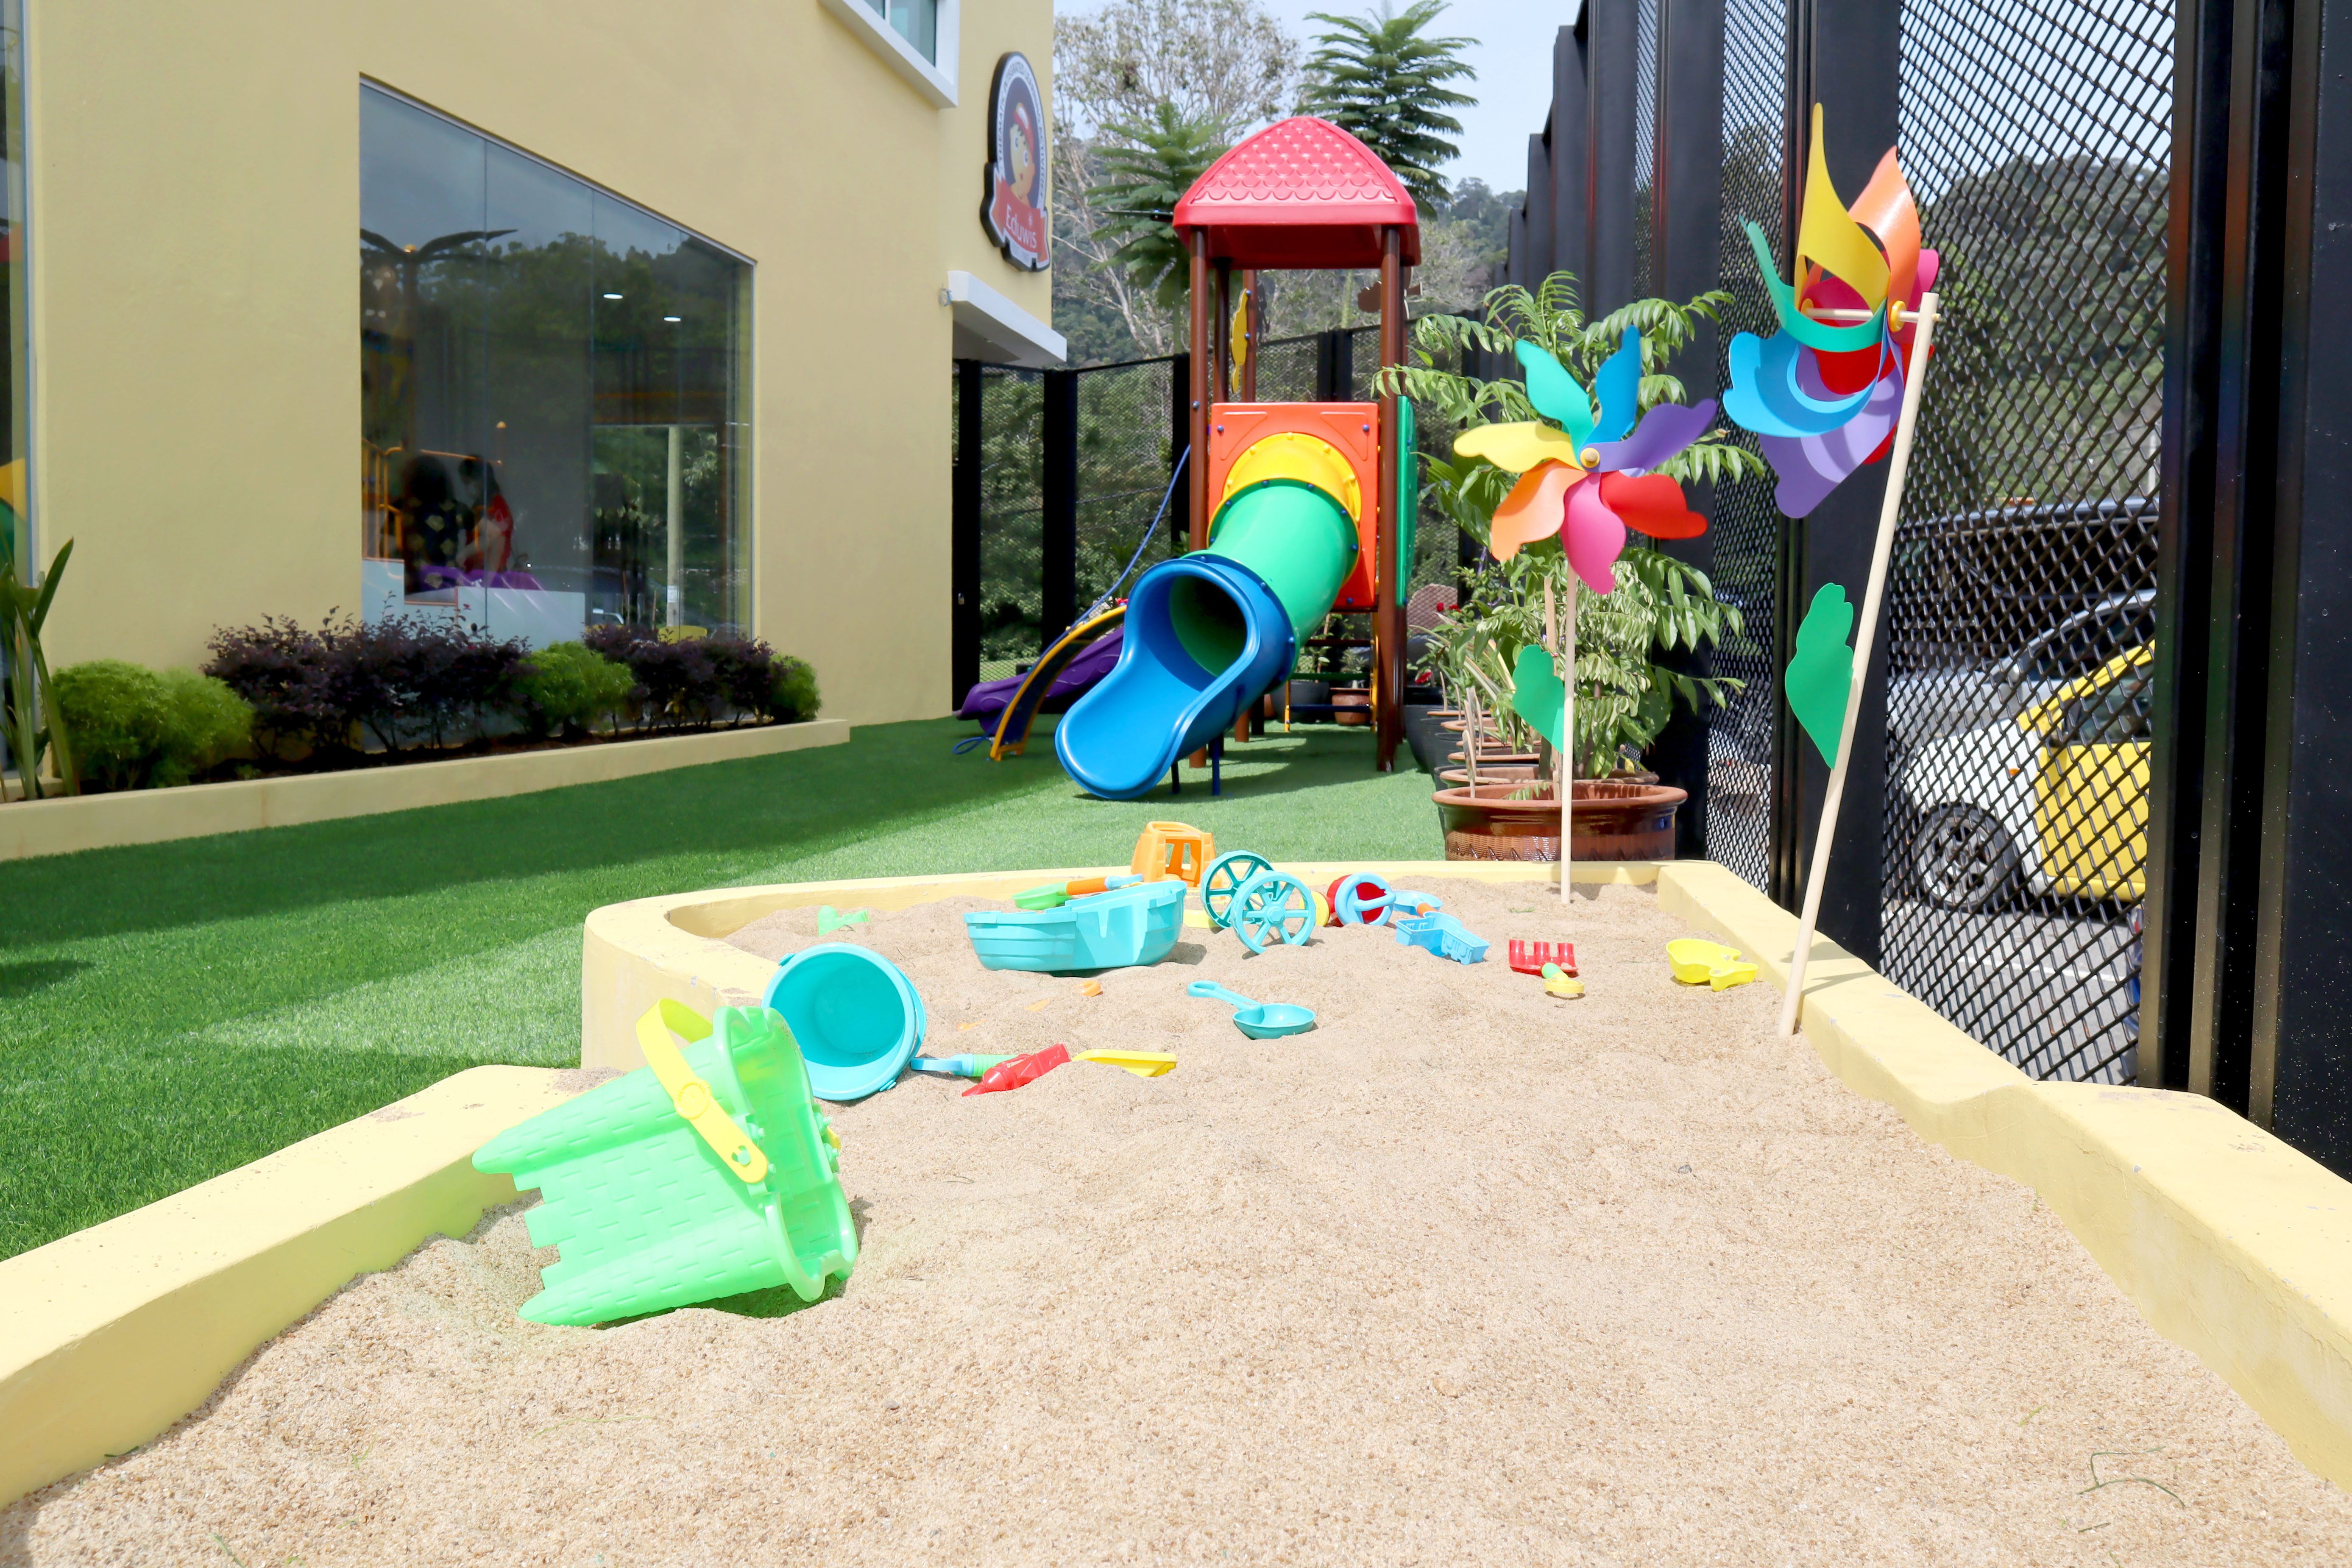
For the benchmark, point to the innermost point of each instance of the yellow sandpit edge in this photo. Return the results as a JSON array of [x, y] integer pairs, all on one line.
[[110, 1334], [2229, 1241]]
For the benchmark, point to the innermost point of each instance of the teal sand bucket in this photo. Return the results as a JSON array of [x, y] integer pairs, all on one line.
[[854, 1014]]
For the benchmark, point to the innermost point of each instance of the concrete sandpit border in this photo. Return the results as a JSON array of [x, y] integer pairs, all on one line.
[[2229, 1242]]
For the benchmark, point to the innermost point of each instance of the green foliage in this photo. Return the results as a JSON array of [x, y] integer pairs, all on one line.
[[570, 687], [1146, 174], [26, 693], [1382, 78], [136, 728], [1548, 316], [796, 698]]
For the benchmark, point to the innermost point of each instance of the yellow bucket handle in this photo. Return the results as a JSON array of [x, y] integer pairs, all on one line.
[[688, 1094]]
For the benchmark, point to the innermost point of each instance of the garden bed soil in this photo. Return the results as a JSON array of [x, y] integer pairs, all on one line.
[[1467, 1275]]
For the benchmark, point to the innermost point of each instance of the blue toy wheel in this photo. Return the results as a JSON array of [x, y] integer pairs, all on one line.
[[1273, 907], [1355, 908], [1228, 875]]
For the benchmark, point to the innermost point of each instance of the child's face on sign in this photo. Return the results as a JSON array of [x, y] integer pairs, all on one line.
[[1022, 156]]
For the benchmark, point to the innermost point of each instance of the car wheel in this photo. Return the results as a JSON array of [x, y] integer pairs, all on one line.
[[1964, 859]]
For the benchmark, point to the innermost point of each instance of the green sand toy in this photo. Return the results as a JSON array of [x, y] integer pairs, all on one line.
[[707, 1174]]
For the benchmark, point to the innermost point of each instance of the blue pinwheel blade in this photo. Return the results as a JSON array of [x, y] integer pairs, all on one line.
[[1766, 396], [1619, 388]]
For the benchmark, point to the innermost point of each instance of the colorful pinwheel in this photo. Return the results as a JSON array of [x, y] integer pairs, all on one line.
[[1823, 399], [1600, 445]]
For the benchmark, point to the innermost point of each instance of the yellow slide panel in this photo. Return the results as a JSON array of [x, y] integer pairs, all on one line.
[[1292, 455]]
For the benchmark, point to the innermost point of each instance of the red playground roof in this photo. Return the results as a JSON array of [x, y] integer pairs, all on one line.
[[1300, 193]]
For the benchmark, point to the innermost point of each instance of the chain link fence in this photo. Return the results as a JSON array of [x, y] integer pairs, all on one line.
[[1126, 451], [1012, 521], [1746, 525], [2020, 602]]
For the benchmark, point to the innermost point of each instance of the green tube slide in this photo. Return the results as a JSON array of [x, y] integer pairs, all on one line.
[[1296, 538]]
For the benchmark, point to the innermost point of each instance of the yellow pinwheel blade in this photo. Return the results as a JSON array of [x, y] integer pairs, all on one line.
[[1828, 235], [1517, 448]]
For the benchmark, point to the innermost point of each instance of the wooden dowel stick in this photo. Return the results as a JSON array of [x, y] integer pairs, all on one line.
[[1898, 468], [1568, 752]]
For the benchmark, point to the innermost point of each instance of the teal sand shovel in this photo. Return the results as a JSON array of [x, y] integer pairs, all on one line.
[[1258, 1020]]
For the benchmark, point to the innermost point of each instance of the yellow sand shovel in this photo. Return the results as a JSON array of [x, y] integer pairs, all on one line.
[[1142, 1064]]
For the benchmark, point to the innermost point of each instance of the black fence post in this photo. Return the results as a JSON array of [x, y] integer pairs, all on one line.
[[1540, 229], [1179, 438], [2172, 951], [1687, 186], [1571, 155], [1855, 55], [1613, 43], [963, 549], [1058, 494]]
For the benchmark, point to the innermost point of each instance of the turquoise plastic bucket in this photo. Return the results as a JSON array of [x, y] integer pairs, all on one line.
[[854, 1015]]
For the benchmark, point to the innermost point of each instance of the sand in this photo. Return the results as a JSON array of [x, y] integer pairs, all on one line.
[[1467, 1275]]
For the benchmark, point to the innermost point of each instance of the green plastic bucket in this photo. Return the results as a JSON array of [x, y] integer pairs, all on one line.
[[647, 1213]]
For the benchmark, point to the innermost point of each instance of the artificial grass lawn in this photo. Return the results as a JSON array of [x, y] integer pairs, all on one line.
[[171, 1011]]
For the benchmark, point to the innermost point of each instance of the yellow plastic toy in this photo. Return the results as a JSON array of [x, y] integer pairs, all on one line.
[[1175, 849], [1142, 1064], [1698, 962], [1557, 983]]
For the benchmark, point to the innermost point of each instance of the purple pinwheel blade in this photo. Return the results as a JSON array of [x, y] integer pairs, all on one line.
[[1664, 430], [1812, 465]]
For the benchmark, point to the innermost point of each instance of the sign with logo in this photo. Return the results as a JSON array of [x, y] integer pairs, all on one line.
[[1014, 180]]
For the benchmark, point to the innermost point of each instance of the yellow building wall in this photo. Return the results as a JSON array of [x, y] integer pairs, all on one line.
[[194, 190]]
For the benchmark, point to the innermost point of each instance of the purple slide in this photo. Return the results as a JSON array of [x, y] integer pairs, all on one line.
[[988, 700]]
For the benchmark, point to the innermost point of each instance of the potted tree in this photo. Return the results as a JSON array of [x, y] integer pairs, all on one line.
[[1550, 581]]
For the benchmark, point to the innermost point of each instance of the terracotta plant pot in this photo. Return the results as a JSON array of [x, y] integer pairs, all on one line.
[[1359, 698], [1612, 821]]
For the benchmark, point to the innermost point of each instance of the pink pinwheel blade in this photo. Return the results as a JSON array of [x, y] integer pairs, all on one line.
[[1664, 431], [1595, 537]]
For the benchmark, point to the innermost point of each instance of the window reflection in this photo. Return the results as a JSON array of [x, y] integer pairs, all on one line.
[[551, 393]]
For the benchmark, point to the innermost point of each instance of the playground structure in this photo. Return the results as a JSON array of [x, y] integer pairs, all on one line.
[[1296, 508]]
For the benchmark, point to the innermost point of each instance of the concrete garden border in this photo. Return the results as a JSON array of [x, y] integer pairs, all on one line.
[[70, 823], [2229, 1241]]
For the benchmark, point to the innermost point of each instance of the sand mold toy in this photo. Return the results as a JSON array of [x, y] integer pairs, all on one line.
[[830, 920], [1176, 850], [1258, 1020], [1532, 957], [1559, 982], [854, 1014], [1698, 962], [1443, 935], [1130, 926], [1017, 1072], [707, 1174]]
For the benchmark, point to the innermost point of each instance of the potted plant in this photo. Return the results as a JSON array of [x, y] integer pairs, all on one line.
[[1626, 610]]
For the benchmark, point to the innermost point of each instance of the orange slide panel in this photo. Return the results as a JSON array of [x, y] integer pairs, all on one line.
[[1352, 429]]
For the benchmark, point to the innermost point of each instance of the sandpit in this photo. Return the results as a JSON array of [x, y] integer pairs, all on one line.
[[1467, 1275]]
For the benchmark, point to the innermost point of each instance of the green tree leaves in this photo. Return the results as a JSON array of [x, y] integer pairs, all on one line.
[[1383, 78]]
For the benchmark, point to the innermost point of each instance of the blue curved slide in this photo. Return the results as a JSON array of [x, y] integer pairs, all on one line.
[[1207, 634]]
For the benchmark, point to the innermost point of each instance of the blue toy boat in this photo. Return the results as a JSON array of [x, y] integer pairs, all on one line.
[[1443, 935], [1102, 931]]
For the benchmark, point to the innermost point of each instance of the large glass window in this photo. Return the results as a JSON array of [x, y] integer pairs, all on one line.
[[15, 400], [553, 426]]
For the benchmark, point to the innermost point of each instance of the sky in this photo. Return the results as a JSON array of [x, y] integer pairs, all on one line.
[[1513, 57]]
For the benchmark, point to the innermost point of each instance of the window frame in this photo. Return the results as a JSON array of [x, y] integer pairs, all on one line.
[[935, 80]]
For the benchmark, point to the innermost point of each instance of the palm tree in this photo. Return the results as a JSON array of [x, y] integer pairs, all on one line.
[[1147, 170], [1379, 78]]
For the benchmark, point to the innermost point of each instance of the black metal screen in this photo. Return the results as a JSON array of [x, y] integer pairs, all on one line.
[[1645, 148], [1012, 521], [2020, 604], [1746, 525]]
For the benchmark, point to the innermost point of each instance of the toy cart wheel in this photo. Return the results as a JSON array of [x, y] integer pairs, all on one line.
[[1228, 875], [1272, 907], [1364, 901]]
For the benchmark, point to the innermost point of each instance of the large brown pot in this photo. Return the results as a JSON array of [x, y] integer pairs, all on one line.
[[1612, 821], [1356, 698]]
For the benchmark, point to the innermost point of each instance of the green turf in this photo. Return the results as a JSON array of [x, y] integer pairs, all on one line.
[[171, 1011]]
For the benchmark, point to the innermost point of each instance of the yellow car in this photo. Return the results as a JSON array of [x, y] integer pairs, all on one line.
[[2058, 802]]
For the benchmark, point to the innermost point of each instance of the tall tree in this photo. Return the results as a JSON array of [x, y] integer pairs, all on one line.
[[1146, 171], [1382, 78], [1226, 62]]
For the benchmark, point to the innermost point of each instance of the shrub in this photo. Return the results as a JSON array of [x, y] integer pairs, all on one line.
[[567, 687], [403, 682], [136, 728], [696, 682]]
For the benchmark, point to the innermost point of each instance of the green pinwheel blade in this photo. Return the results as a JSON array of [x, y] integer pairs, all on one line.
[[1555, 394], [1819, 336], [1538, 694], [1819, 676]]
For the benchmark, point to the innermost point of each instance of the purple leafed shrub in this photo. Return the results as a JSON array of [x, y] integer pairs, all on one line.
[[404, 682], [695, 683]]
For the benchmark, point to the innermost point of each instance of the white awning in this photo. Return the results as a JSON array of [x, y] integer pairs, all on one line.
[[989, 327]]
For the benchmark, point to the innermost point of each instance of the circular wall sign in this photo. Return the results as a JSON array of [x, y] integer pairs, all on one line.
[[1013, 206]]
